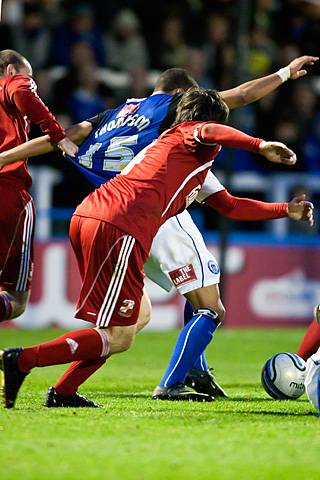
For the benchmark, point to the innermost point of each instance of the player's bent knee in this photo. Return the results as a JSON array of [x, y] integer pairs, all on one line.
[[18, 310], [207, 298], [221, 311], [218, 307], [18, 302], [209, 313], [121, 338], [218, 310], [143, 320], [126, 343], [144, 317], [145, 312]]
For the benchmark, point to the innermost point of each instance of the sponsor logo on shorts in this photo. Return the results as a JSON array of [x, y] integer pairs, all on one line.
[[183, 275], [213, 267], [126, 308]]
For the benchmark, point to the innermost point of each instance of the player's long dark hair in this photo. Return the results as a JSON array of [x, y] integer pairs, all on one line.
[[200, 104]]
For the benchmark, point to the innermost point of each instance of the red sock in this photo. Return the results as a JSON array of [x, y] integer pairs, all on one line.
[[84, 344], [5, 307], [77, 374], [311, 341]]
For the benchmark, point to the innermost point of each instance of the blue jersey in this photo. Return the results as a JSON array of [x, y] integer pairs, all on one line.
[[120, 134]]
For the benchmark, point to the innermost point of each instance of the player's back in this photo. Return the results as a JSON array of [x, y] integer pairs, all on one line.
[[122, 133], [14, 127], [162, 181]]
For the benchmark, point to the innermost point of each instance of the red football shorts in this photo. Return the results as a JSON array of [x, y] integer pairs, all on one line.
[[111, 268], [17, 220]]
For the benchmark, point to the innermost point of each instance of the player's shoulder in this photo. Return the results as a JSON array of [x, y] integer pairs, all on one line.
[[18, 78], [185, 128], [191, 125], [187, 133], [20, 81], [132, 105], [154, 98], [160, 99]]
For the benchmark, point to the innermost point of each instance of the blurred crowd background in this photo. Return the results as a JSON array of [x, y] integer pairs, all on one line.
[[91, 56]]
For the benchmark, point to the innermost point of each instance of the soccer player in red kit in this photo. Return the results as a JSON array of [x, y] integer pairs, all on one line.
[[19, 104], [165, 256], [111, 233]]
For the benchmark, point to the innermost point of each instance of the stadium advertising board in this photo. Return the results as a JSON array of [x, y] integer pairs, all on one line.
[[265, 285]]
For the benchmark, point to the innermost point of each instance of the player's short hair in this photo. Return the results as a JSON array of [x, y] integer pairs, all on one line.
[[174, 78], [201, 104], [11, 56]]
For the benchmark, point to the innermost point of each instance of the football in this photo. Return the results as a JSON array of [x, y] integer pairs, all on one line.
[[283, 376]]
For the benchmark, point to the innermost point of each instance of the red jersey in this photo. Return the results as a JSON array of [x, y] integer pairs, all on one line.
[[20, 104], [162, 180]]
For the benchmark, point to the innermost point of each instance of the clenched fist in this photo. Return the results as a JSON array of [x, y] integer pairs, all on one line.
[[68, 147], [300, 209]]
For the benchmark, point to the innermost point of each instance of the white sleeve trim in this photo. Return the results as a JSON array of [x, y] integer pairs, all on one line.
[[210, 186], [197, 139]]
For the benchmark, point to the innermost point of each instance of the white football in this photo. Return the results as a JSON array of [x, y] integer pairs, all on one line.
[[283, 376]]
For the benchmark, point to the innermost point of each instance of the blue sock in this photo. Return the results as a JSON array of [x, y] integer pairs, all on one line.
[[201, 362], [192, 341]]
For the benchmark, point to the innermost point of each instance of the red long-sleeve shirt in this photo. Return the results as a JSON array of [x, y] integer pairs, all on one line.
[[215, 195], [238, 208], [20, 105]]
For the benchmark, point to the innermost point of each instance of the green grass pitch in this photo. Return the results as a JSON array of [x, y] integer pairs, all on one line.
[[248, 436]]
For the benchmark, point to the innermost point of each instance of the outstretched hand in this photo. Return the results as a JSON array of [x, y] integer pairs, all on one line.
[[300, 209], [68, 147], [277, 152], [296, 66]]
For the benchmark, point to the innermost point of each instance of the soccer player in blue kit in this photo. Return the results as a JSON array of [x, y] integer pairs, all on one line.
[[108, 142]]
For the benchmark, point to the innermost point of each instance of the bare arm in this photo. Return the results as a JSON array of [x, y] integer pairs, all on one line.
[[79, 132], [41, 145], [255, 89]]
